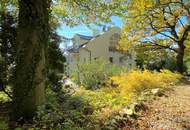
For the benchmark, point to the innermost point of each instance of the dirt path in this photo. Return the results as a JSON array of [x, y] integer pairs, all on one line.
[[168, 113]]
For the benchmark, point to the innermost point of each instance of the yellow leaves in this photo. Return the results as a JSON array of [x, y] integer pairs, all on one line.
[[146, 19], [129, 38], [106, 101], [138, 81], [167, 76], [177, 13], [139, 7], [125, 42], [125, 45]]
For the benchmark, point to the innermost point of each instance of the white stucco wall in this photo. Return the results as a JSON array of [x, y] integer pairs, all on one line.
[[98, 47], [78, 41]]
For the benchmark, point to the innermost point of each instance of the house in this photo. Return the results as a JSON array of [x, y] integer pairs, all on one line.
[[104, 46]]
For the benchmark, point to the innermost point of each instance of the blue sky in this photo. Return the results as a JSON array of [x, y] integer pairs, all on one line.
[[69, 32]]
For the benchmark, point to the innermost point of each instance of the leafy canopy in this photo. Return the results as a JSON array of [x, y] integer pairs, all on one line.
[[156, 23]]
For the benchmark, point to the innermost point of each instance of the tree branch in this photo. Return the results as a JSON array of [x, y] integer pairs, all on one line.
[[154, 44], [162, 33], [172, 27], [185, 34], [181, 23]]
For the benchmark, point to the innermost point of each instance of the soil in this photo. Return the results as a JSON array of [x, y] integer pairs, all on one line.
[[171, 112]]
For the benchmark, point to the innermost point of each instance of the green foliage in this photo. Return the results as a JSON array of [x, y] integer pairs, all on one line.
[[61, 112], [158, 25], [7, 47], [104, 108], [148, 58], [4, 98], [83, 11], [170, 63], [56, 61], [82, 110], [55, 57], [3, 125], [187, 63], [94, 74]]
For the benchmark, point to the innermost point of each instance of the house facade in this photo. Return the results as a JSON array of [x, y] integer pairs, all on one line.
[[87, 48]]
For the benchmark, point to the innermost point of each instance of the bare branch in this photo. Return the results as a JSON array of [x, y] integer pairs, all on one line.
[[172, 27], [181, 23], [154, 44], [162, 33]]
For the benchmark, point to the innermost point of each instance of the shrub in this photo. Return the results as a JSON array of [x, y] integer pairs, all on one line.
[[94, 74], [86, 109], [3, 125], [4, 97], [62, 112], [138, 81], [105, 102]]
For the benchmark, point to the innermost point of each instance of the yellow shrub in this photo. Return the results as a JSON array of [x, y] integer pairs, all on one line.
[[137, 80], [105, 101], [109, 100]]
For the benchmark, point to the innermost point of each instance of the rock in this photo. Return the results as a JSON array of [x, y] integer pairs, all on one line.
[[128, 111], [69, 84], [157, 92]]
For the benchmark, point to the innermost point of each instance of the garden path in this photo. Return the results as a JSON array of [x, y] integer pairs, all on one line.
[[171, 112]]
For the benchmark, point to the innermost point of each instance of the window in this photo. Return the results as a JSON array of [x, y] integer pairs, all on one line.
[[129, 56], [112, 48], [120, 59], [114, 41], [111, 59]]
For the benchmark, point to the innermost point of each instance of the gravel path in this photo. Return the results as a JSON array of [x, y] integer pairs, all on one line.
[[167, 113]]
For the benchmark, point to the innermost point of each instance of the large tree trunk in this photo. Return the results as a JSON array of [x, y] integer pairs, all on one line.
[[179, 58], [30, 73]]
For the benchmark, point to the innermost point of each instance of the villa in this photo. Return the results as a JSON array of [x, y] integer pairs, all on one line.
[[104, 46]]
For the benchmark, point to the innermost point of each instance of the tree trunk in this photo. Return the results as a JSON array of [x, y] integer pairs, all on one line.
[[179, 58], [30, 73]]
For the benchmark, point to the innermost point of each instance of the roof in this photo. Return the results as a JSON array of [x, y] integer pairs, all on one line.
[[85, 37], [76, 48], [65, 38]]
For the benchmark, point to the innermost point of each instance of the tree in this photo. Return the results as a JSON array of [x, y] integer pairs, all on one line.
[[32, 38], [30, 73], [163, 24], [56, 62], [76, 12]]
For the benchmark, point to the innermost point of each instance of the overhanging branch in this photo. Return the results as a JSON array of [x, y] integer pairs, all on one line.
[[154, 44]]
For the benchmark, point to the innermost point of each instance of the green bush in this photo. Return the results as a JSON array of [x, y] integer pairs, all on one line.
[[65, 112], [86, 109], [187, 64], [82, 110], [94, 74], [3, 125]]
